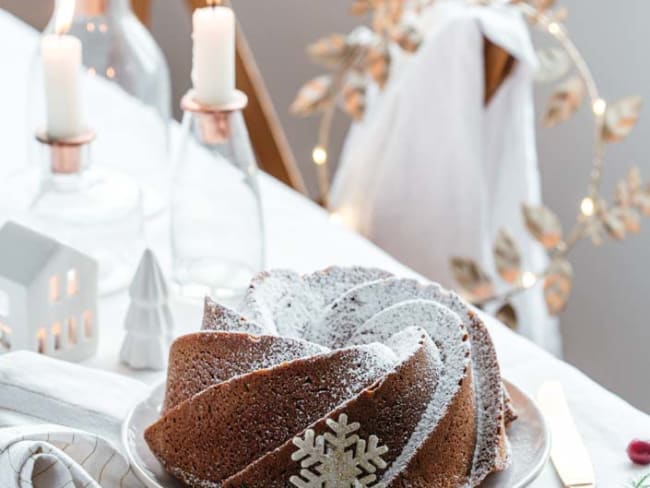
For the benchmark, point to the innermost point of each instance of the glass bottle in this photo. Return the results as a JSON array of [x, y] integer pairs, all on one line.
[[217, 226], [93, 209], [127, 93]]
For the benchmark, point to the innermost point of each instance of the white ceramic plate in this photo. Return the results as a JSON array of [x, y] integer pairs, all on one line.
[[529, 439]]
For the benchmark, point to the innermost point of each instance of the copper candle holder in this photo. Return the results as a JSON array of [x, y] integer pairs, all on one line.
[[214, 120], [92, 8], [65, 153]]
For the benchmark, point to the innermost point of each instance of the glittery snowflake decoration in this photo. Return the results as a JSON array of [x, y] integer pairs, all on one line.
[[338, 460]]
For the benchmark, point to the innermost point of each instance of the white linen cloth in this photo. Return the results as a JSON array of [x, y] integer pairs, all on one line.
[[49, 456], [56, 399], [431, 173], [300, 237], [53, 391]]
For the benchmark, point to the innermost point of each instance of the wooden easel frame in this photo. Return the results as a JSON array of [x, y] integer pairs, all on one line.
[[269, 141]]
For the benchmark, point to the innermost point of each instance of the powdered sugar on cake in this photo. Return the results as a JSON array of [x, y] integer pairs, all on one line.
[[424, 356]]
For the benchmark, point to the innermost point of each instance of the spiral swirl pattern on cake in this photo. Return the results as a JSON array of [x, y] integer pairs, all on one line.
[[407, 368]]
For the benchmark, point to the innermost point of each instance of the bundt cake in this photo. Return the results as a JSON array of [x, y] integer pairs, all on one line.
[[347, 377]]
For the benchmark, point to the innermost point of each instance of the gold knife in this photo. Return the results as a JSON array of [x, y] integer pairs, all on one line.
[[568, 451]]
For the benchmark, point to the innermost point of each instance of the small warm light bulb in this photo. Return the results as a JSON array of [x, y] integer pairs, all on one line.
[[90, 27], [528, 279], [110, 72], [336, 218], [554, 28], [587, 207], [599, 106], [319, 155], [41, 336]]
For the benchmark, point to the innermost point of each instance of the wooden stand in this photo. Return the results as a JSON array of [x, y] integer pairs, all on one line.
[[498, 65]]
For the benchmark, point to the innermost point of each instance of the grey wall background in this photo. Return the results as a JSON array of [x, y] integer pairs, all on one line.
[[606, 328]]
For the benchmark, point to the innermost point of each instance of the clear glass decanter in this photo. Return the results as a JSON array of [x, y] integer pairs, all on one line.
[[93, 209], [128, 94], [217, 226]]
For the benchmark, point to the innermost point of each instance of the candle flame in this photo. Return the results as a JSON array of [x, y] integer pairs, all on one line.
[[212, 3], [64, 14]]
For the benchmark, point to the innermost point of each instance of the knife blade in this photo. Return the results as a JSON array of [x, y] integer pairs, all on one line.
[[568, 451]]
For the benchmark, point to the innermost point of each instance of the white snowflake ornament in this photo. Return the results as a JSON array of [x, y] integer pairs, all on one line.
[[338, 460]]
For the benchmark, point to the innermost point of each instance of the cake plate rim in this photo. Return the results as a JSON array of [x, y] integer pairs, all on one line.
[[153, 475]]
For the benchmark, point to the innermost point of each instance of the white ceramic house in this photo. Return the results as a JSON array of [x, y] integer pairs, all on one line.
[[48, 296]]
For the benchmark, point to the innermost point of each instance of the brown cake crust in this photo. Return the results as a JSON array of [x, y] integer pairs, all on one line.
[[444, 459], [220, 318], [509, 409], [390, 409], [200, 360], [227, 426], [423, 380]]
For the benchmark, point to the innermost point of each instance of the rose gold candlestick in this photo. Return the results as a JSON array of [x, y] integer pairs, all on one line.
[[65, 153], [92, 8], [214, 120]]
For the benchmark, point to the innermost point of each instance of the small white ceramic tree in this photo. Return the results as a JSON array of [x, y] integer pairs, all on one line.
[[148, 322]]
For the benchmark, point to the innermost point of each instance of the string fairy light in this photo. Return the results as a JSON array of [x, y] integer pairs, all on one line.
[[319, 155], [336, 218], [599, 107], [528, 279], [587, 207]]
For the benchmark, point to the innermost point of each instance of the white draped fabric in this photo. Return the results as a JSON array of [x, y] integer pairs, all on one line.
[[431, 173]]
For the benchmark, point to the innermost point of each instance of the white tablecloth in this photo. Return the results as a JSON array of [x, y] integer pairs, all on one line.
[[301, 237]]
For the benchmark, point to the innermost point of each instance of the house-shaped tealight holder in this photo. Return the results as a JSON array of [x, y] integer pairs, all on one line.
[[48, 296]]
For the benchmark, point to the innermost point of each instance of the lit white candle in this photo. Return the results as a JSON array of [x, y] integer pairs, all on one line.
[[61, 55], [213, 71]]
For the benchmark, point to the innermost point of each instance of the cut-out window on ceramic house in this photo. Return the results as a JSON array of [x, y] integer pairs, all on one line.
[[72, 282], [56, 335], [54, 291], [5, 337], [88, 324], [72, 330], [41, 341], [5, 305]]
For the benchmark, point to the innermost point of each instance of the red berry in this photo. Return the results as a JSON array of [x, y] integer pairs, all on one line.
[[639, 451]]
